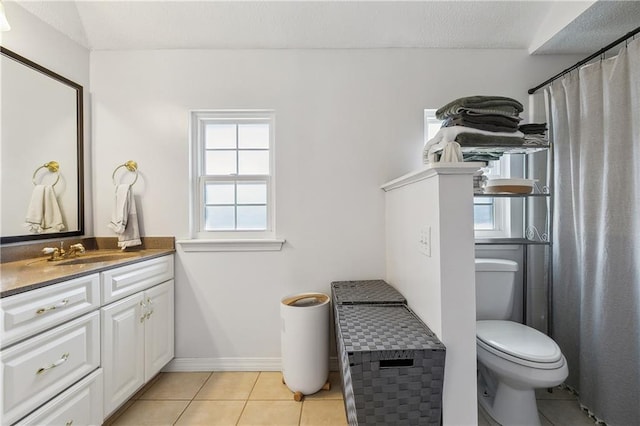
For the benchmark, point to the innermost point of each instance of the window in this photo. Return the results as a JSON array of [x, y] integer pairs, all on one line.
[[233, 173], [491, 215], [431, 124], [484, 213]]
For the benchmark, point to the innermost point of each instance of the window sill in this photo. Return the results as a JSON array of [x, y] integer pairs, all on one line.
[[231, 245]]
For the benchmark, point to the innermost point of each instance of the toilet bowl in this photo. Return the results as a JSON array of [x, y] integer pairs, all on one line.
[[513, 359]]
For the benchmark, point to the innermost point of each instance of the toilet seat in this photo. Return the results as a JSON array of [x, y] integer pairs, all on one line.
[[519, 344]]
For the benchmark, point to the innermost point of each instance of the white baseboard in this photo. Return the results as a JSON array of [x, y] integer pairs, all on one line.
[[231, 364]]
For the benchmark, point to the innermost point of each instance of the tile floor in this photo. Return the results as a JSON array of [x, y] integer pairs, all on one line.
[[260, 398], [229, 398], [558, 408]]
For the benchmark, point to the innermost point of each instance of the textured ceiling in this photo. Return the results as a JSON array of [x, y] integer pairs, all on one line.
[[604, 22], [118, 25]]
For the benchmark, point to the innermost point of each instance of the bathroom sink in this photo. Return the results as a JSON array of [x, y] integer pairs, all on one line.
[[82, 260]]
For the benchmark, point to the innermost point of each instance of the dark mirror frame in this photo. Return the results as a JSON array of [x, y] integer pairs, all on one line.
[[79, 150]]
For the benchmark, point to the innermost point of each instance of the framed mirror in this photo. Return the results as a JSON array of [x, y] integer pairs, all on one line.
[[41, 152]]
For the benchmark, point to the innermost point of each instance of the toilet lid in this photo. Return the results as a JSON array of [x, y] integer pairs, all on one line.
[[518, 340]]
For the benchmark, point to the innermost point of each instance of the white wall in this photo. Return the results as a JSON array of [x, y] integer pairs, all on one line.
[[346, 122], [40, 43]]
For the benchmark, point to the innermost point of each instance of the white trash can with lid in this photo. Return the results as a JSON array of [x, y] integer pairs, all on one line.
[[305, 343]]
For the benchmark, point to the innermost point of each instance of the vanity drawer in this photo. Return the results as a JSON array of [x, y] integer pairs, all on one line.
[[81, 404], [26, 314], [126, 280], [34, 371]]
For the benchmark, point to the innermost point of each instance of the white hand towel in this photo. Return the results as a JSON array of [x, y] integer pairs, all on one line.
[[43, 213], [124, 218], [120, 212], [452, 153], [131, 235]]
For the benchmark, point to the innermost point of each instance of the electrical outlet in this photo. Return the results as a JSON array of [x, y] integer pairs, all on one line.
[[424, 244]]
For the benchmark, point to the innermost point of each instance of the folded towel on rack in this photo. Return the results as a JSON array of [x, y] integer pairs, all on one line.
[[489, 122], [124, 218], [536, 140], [481, 104], [477, 140], [533, 128], [43, 213], [449, 134]]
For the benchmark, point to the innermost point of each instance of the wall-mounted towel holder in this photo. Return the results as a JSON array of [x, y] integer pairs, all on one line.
[[130, 165], [52, 166]]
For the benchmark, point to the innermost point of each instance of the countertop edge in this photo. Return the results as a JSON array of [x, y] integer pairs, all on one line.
[[97, 269]]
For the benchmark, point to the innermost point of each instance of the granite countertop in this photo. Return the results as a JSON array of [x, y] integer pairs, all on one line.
[[22, 275]]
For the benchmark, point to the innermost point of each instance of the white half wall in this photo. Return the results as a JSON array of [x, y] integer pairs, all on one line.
[[430, 252]]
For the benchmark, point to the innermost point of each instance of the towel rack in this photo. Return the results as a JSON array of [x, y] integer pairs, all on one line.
[[130, 165], [52, 166]]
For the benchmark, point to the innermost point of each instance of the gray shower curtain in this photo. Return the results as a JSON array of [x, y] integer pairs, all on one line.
[[595, 128]]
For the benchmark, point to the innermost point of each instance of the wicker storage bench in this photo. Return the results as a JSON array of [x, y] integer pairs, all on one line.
[[391, 365], [365, 292]]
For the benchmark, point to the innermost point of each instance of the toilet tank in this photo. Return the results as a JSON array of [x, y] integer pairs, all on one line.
[[495, 285]]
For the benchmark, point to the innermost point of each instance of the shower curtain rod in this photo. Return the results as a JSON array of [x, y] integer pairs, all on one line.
[[611, 45]]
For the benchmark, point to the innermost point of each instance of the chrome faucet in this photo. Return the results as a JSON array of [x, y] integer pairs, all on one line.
[[61, 253]]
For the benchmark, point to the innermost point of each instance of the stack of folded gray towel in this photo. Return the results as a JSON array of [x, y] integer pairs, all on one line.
[[534, 133], [491, 113], [479, 121]]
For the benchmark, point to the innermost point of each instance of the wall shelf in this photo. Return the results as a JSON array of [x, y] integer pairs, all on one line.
[[509, 195], [510, 241], [522, 149], [537, 211], [509, 149]]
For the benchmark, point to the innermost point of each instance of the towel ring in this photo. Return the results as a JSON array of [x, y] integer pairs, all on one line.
[[52, 166], [130, 165]]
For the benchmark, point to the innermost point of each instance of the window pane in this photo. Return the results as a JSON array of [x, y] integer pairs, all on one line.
[[431, 123], [219, 218], [219, 193], [253, 162], [252, 193], [252, 217], [483, 216], [220, 136], [220, 163], [253, 136], [433, 128]]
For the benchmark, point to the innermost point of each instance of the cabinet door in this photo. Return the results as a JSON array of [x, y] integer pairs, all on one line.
[[122, 350], [158, 328]]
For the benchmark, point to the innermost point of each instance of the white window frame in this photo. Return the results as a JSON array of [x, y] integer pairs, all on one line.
[[228, 240]]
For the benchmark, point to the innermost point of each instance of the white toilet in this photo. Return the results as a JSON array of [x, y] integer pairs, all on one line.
[[513, 359]]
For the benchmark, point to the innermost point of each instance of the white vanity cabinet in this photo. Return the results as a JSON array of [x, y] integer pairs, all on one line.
[[50, 340], [137, 327], [74, 351]]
